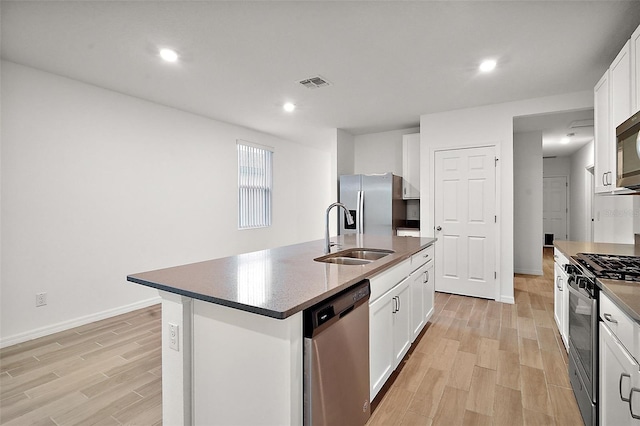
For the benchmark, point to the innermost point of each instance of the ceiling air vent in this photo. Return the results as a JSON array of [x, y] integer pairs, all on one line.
[[314, 82], [580, 123]]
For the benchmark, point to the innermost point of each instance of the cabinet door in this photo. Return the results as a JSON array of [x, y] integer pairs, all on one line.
[[381, 355], [417, 301], [429, 292], [401, 322], [635, 71], [602, 134], [619, 373], [564, 320], [411, 166], [620, 87], [558, 296]]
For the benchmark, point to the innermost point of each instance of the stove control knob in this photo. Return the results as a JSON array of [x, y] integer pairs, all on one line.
[[570, 269]]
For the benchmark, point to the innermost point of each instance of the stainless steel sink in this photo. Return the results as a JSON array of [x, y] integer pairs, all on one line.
[[355, 256]]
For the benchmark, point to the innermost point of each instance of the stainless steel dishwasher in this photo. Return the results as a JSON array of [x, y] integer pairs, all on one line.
[[336, 359]]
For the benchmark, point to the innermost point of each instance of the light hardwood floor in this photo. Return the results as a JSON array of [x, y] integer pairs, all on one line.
[[478, 362], [105, 373]]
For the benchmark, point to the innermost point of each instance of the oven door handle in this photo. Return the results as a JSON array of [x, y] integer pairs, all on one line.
[[580, 295], [635, 416], [623, 375]]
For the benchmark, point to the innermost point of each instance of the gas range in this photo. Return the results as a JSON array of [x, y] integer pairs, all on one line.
[[609, 266]]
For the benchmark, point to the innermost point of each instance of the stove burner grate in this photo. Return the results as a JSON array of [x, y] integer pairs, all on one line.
[[612, 267]]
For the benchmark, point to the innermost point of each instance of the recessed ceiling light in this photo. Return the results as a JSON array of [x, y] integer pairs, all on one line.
[[168, 55], [488, 65], [289, 107], [565, 140]]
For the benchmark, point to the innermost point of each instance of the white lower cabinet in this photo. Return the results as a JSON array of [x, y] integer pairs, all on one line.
[[619, 369], [422, 292], [429, 292], [561, 297], [401, 304], [619, 382], [388, 334]]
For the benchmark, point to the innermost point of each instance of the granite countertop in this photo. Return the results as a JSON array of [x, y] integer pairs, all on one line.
[[625, 294], [282, 281]]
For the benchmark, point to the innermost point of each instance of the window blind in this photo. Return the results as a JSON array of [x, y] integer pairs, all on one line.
[[255, 169]]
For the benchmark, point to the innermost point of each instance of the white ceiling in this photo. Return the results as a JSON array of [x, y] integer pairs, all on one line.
[[388, 61]]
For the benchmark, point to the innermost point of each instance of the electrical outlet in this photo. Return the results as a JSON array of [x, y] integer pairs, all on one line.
[[173, 336], [41, 299]]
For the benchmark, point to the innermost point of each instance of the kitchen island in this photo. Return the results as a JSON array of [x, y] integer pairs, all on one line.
[[233, 329]]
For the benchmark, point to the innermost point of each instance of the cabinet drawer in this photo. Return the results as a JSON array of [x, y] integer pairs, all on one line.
[[422, 257], [389, 278], [624, 328], [559, 257]]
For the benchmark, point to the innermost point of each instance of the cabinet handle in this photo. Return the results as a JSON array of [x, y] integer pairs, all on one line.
[[604, 182], [631, 403], [398, 297], [620, 387], [558, 279], [426, 277], [608, 318], [394, 306]]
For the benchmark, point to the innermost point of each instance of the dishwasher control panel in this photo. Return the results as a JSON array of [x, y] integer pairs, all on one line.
[[336, 307]]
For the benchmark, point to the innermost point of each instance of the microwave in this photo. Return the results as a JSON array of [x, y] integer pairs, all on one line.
[[628, 153]]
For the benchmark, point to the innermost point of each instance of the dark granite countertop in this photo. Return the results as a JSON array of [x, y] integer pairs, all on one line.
[[278, 282], [625, 294]]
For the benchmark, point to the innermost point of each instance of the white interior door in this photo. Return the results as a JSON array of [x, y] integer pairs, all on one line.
[[465, 219], [554, 208]]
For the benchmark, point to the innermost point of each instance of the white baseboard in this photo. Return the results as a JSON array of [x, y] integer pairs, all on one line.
[[528, 271], [507, 299], [76, 322]]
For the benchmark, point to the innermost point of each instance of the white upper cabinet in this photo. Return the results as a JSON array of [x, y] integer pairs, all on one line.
[[635, 71], [620, 74], [411, 166], [603, 151], [612, 103]]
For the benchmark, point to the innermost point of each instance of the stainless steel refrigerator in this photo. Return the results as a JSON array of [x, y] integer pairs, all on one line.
[[375, 201]]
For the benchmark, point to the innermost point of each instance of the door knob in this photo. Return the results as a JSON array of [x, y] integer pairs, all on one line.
[[439, 228]]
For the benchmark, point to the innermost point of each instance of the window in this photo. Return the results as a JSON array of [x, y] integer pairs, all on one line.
[[254, 185]]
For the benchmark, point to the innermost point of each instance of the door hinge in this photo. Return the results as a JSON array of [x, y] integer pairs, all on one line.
[[495, 219], [495, 162], [495, 275]]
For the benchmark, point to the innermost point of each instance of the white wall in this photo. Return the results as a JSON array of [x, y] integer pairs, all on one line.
[[555, 167], [527, 198], [614, 217], [97, 185], [487, 125], [346, 153], [380, 152], [580, 194]]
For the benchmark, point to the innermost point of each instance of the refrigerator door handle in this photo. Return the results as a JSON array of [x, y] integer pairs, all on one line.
[[360, 213]]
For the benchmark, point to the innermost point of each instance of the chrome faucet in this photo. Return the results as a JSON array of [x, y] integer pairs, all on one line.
[[327, 243]]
